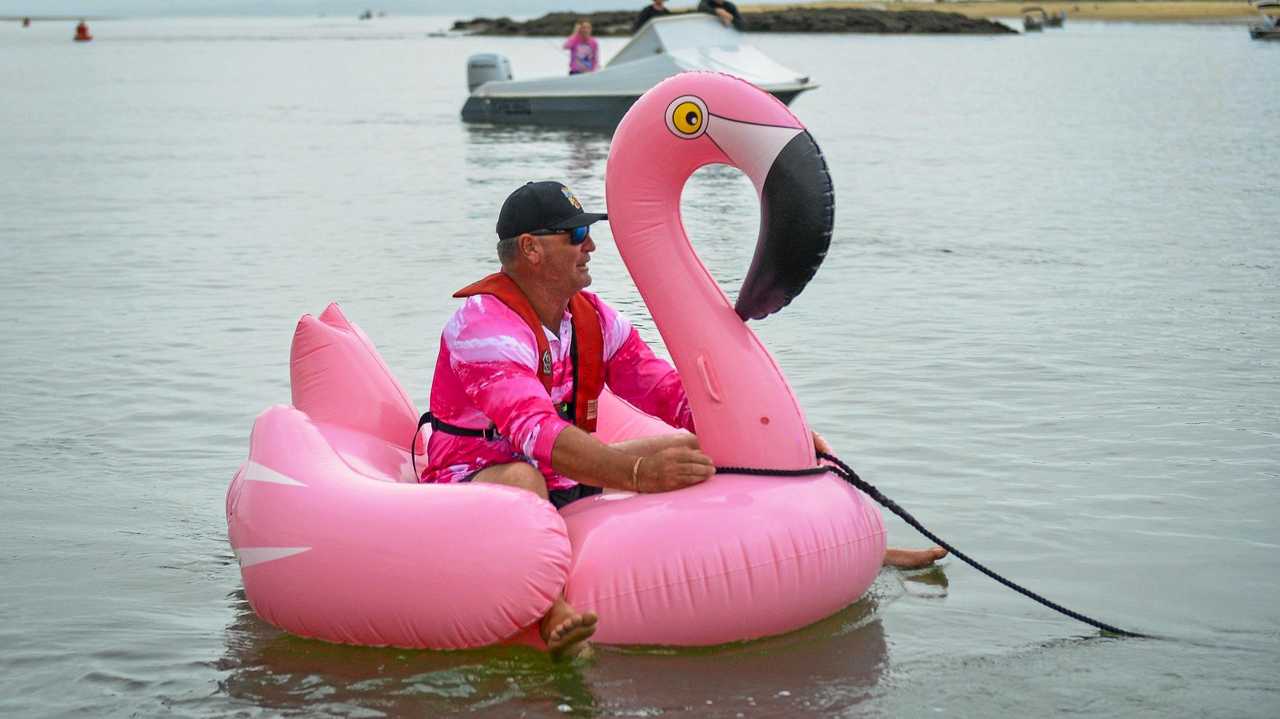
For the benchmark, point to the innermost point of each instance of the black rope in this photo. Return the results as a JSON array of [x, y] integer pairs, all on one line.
[[846, 473]]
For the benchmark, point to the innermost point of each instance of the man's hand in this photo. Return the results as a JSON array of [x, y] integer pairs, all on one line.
[[725, 16], [821, 445], [673, 468]]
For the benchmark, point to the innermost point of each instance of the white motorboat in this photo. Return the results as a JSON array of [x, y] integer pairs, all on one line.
[[1269, 27], [665, 46], [1034, 19]]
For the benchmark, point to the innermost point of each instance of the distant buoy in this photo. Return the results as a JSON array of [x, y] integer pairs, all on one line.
[[82, 33]]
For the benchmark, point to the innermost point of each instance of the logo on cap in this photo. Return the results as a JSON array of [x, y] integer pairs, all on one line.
[[573, 200]]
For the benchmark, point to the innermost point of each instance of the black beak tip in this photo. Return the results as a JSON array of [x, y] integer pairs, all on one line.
[[797, 216]]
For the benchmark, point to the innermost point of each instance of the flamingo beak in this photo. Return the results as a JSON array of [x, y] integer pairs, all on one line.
[[797, 209]]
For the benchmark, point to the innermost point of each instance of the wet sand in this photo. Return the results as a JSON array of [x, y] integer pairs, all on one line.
[[1120, 10]]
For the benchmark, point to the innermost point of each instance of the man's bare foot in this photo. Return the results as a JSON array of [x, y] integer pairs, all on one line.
[[912, 558], [566, 631]]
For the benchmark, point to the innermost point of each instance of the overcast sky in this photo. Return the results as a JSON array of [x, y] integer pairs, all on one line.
[[170, 8]]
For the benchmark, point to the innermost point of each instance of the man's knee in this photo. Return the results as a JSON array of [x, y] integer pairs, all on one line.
[[516, 474], [525, 476]]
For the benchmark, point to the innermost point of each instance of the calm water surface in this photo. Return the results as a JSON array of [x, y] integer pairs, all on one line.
[[1049, 326]]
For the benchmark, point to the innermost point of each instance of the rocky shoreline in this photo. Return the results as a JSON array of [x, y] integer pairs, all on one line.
[[794, 19]]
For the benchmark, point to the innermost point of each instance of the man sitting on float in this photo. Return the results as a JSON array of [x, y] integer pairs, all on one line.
[[521, 365]]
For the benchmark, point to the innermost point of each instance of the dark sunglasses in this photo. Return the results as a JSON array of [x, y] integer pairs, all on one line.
[[577, 235]]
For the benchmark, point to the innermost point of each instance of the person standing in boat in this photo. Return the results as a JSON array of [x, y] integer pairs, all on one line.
[[657, 8], [521, 366], [723, 9], [584, 51]]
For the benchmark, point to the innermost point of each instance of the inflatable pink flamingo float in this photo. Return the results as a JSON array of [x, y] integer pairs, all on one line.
[[337, 541]]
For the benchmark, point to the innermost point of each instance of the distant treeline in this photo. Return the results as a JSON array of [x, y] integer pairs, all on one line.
[[615, 23]]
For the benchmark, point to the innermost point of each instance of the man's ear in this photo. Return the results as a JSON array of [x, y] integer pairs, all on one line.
[[529, 248]]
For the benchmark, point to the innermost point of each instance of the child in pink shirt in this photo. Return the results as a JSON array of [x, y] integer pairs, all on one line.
[[584, 52]]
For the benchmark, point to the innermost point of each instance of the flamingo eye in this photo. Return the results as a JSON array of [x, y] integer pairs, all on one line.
[[687, 117]]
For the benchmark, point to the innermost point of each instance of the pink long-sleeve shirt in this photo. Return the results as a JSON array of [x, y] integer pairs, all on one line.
[[584, 53], [487, 372]]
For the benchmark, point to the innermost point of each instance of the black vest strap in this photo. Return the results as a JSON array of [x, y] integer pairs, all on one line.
[[565, 409], [490, 433]]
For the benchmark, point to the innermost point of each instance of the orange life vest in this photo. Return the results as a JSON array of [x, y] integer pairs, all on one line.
[[587, 348]]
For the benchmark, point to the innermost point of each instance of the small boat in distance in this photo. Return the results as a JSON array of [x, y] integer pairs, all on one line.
[[664, 47], [1034, 19], [1055, 19], [1269, 27]]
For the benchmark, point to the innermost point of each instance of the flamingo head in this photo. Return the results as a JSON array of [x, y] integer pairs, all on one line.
[[701, 118]]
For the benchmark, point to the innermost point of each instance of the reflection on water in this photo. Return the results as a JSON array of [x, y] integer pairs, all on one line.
[[523, 135], [275, 670], [827, 667], [575, 155], [930, 582]]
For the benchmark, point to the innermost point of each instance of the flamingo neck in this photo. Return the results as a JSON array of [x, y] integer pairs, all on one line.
[[743, 408]]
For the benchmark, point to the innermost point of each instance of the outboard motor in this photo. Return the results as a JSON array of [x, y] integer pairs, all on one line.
[[486, 66]]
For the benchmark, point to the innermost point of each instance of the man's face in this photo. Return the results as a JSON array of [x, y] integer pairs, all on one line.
[[565, 264]]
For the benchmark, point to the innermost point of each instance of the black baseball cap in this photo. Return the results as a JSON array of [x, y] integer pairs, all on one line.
[[543, 206]]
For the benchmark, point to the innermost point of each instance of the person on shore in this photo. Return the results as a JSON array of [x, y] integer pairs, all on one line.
[[723, 9], [521, 365], [584, 51], [657, 8]]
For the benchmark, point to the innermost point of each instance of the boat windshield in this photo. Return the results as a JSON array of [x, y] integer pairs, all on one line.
[[674, 33]]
